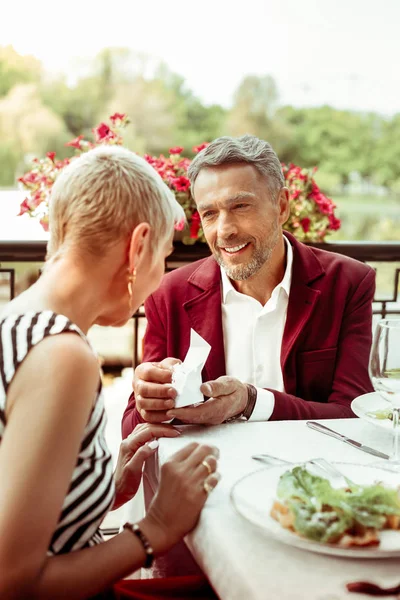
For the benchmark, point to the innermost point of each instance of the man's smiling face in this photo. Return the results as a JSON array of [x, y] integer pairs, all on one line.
[[240, 219]]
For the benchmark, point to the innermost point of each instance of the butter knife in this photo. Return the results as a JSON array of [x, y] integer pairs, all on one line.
[[343, 438]]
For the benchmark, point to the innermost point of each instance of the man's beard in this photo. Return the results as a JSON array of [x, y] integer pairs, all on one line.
[[262, 254]]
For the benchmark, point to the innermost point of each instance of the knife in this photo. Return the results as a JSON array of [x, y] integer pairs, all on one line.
[[343, 438]]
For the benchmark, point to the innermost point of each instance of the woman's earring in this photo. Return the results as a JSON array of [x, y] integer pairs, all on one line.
[[131, 282]]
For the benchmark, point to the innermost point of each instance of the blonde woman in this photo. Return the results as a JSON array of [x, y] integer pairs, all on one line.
[[111, 222]]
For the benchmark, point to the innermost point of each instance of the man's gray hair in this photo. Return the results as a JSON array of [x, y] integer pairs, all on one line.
[[245, 149]]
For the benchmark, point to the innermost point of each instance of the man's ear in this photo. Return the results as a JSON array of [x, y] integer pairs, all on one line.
[[283, 205], [139, 246]]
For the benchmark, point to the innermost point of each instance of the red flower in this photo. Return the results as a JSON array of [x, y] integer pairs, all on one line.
[[103, 132], [334, 223], [76, 143], [305, 223], [195, 225], [295, 194], [176, 150], [181, 184], [200, 147], [117, 117], [51, 156]]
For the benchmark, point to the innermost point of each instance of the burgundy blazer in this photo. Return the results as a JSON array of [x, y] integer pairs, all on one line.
[[326, 340]]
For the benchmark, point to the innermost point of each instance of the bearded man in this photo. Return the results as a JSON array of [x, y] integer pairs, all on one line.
[[289, 325]]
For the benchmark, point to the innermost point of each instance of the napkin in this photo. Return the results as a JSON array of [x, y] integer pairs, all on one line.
[[186, 376]]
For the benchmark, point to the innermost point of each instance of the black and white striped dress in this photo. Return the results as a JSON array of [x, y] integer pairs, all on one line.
[[91, 492]]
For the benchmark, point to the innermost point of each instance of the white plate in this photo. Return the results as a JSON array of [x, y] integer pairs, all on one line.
[[371, 402], [253, 496]]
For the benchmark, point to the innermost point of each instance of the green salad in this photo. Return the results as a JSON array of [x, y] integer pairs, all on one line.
[[311, 507]]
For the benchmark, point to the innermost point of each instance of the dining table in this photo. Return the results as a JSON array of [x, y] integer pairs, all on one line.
[[245, 562]]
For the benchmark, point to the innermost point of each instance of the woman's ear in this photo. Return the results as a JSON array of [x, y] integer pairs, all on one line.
[[139, 247]]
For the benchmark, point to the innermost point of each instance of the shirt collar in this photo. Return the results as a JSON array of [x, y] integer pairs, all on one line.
[[227, 287]]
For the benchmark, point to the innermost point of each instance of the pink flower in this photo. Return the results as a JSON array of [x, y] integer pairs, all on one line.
[[305, 223], [200, 147], [176, 150], [181, 184], [180, 226], [24, 207], [44, 221], [117, 117], [195, 225], [60, 164], [29, 178], [51, 156], [76, 143]]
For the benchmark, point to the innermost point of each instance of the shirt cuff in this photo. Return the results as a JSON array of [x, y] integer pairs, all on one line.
[[264, 406]]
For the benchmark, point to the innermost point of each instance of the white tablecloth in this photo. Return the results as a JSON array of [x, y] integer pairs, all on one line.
[[243, 563]]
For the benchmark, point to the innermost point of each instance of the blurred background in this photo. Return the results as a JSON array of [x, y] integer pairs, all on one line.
[[318, 79]]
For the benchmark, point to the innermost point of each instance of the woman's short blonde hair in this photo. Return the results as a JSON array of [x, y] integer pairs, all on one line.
[[100, 197]]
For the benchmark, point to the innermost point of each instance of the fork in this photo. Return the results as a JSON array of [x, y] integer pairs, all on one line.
[[321, 465], [335, 475]]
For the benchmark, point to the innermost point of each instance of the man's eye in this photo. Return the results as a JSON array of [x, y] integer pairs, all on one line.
[[207, 214], [242, 205]]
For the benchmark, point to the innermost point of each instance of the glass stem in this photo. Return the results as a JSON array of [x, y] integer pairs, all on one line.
[[396, 434]]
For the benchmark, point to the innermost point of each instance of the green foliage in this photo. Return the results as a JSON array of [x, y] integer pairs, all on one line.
[[40, 113], [8, 164], [16, 69]]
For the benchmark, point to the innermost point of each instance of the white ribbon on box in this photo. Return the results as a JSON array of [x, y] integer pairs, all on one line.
[[186, 377]]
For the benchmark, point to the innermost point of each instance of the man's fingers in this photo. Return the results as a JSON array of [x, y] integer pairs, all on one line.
[[168, 363], [223, 386], [145, 389], [153, 372], [194, 414], [154, 403]]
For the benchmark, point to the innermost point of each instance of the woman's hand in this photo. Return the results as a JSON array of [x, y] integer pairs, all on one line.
[[186, 480], [133, 452]]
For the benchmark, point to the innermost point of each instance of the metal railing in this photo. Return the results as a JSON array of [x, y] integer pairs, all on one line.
[[383, 256]]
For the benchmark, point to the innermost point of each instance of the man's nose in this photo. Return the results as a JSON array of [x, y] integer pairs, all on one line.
[[226, 226]]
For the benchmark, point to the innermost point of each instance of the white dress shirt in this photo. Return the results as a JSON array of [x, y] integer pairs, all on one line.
[[253, 338]]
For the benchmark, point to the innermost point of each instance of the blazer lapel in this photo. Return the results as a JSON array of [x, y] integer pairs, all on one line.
[[302, 302], [203, 307]]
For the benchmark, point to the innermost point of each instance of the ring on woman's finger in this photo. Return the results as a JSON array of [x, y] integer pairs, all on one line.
[[207, 487], [207, 466]]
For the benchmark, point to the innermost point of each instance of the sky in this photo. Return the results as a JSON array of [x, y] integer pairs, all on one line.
[[339, 52]]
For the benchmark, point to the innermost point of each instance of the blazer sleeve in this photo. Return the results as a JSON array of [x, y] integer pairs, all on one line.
[[155, 350], [351, 377]]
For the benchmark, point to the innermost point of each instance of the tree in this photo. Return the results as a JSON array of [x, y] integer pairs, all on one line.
[[26, 124], [338, 141], [254, 111], [16, 69]]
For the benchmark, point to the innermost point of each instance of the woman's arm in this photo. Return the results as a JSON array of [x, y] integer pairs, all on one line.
[[48, 406]]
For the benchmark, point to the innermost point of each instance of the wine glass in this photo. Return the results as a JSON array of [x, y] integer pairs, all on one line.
[[384, 370]]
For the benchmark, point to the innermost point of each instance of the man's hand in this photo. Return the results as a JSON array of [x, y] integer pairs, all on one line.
[[227, 398], [154, 394]]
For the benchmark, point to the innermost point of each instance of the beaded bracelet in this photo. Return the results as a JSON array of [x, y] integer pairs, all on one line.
[[134, 527]]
